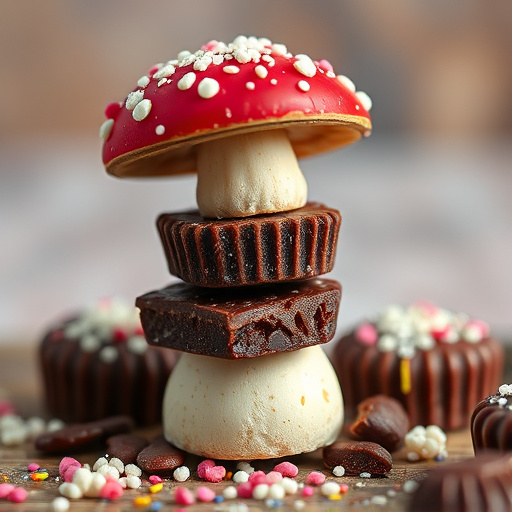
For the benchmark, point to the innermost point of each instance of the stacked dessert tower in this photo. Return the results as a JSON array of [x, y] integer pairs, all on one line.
[[251, 312]]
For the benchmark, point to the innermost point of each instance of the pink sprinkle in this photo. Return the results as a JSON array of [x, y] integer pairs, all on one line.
[[6, 407], [112, 109], [155, 479], [274, 477], [17, 495], [257, 477], [244, 490], [112, 490], [205, 494], [287, 469], [325, 65], [33, 466], [315, 478], [183, 496], [5, 490], [209, 46], [207, 470], [152, 70], [119, 335], [440, 334], [366, 334], [308, 491], [344, 488], [482, 326], [67, 468]]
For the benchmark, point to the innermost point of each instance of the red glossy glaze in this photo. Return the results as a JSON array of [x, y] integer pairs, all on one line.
[[275, 101]]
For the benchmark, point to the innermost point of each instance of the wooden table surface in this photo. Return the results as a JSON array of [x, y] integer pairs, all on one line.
[[19, 376]]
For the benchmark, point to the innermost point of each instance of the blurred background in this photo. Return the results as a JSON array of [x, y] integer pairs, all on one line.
[[426, 200]]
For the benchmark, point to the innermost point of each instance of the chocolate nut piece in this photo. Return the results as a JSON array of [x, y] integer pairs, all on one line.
[[160, 457], [381, 419], [358, 457], [82, 436], [126, 447], [296, 244], [241, 322]]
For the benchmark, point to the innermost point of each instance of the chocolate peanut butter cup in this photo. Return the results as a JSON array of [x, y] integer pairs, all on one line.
[[241, 322], [284, 246]]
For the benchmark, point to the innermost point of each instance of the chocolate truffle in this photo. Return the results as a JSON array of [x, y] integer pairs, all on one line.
[[438, 364], [97, 363]]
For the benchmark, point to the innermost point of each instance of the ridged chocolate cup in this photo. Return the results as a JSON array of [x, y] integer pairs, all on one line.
[[446, 381], [262, 249], [491, 425], [235, 323]]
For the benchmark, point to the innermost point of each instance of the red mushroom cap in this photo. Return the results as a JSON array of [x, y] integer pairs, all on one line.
[[248, 85]]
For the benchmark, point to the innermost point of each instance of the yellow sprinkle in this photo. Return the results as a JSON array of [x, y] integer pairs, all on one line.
[[142, 501], [156, 488], [229, 474], [335, 497], [405, 376], [39, 477], [5, 477]]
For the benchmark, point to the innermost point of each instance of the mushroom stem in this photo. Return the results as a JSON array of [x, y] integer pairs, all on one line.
[[249, 174]]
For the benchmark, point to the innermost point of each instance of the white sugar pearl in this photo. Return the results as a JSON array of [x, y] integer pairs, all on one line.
[[413, 456], [60, 504], [240, 477], [132, 469], [35, 427], [70, 490], [181, 474], [379, 499], [122, 482], [329, 488], [100, 462], [260, 491], [290, 485], [387, 343], [54, 425], [230, 493], [133, 482], [338, 471], [245, 466], [434, 432], [276, 491], [505, 389], [299, 504], [107, 470], [117, 463], [97, 483], [410, 486], [82, 478], [430, 449]]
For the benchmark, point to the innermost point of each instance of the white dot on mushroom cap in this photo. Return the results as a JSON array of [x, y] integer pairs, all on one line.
[[273, 81], [186, 81], [345, 80], [280, 49], [164, 71], [305, 65], [269, 60], [261, 71], [143, 81], [106, 128], [250, 85], [142, 110], [303, 85], [208, 88], [133, 99], [231, 70], [160, 129], [364, 99]]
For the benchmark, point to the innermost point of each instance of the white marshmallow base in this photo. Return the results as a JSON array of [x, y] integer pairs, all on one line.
[[256, 408]]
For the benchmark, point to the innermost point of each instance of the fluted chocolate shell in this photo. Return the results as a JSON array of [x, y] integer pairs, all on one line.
[[235, 323], [284, 246], [491, 425], [82, 386], [446, 381], [479, 484]]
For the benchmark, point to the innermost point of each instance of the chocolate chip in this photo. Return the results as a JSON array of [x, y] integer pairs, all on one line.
[[358, 457], [160, 457], [126, 447], [82, 436], [381, 419]]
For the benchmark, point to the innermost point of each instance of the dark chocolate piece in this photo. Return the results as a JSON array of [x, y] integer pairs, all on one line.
[[241, 322], [284, 246], [480, 484], [81, 385], [126, 447], [491, 424], [160, 457], [445, 382], [358, 457], [381, 419], [73, 438]]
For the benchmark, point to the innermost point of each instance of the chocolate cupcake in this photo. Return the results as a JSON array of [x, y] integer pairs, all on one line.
[[97, 364], [491, 422], [438, 364]]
